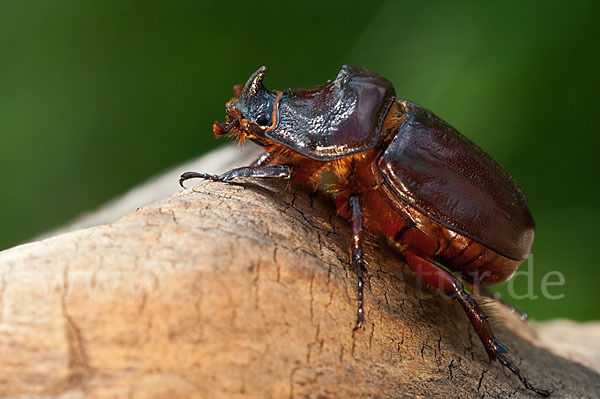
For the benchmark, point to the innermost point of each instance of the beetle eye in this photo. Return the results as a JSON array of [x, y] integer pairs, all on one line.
[[263, 120]]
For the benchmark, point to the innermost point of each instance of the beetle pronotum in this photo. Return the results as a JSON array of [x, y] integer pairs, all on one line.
[[399, 171]]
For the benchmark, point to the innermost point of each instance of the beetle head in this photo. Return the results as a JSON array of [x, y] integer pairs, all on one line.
[[327, 122], [250, 113]]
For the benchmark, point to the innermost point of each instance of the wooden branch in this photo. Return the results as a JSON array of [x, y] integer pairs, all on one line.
[[231, 291]]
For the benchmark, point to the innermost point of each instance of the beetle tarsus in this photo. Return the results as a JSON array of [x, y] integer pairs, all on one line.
[[506, 362], [358, 260]]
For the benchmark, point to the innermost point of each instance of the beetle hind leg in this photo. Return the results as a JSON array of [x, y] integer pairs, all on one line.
[[450, 285], [486, 293]]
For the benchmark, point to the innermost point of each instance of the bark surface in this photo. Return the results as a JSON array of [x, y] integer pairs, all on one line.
[[245, 291]]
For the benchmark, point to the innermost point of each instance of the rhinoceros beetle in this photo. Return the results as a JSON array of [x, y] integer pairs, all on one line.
[[398, 171]]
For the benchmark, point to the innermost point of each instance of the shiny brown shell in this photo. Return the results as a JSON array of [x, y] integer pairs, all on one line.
[[439, 172], [337, 119]]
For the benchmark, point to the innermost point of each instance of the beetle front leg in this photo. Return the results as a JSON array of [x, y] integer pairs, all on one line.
[[450, 285], [358, 260], [269, 171], [260, 161]]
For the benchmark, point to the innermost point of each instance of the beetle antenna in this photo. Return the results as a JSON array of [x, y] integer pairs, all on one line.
[[219, 129]]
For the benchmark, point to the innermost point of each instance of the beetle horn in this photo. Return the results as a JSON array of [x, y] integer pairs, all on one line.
[[254, 86]]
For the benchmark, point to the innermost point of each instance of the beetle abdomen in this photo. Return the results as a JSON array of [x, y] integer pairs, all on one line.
[[467, 258], [471, 260], [406, 227], [433, 168]]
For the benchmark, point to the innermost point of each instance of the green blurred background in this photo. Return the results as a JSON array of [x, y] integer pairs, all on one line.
[[95, 97]]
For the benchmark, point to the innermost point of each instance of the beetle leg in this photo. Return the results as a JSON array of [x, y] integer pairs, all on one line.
[[270, 171], [450, 285], [358, 260], [264, 158], [485, 292]]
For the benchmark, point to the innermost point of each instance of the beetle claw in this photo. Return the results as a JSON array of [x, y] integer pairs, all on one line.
[[195, 175]]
